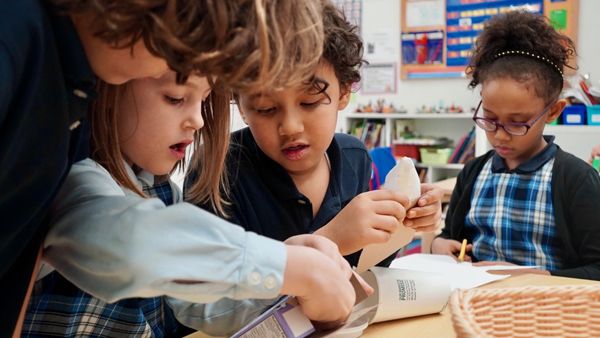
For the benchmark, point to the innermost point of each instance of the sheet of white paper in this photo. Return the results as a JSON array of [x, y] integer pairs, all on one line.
[[375, 253], [402, 178], [404, 293], [422, 13], [461, 275], [505, 267]]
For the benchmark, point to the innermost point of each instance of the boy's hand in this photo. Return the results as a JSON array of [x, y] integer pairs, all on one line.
[[450, 247], [426, 215], [370, 217]]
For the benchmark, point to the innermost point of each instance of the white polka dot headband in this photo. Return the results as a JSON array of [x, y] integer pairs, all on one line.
[[531, 55]]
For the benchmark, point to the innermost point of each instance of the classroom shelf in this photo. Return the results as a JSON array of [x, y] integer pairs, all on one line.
[[408, 116], [449, 125], [562, 129]]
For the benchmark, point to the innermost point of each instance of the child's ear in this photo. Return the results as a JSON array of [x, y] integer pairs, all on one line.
[[556, 110], [345, 93]]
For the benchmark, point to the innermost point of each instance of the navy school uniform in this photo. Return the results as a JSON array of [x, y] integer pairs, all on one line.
[[265, 200], [45, 87], [544, 212]]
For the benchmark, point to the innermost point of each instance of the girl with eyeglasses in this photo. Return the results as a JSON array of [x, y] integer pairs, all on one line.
[[526, 202]]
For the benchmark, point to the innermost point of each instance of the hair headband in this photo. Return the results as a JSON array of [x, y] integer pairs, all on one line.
[[531, 55]]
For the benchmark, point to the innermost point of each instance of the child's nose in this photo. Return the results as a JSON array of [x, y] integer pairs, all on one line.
[[195, 120], [501, 134], [291, 124]]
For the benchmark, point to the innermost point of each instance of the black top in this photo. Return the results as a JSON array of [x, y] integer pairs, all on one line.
[[576, 201], [265, 200], [44, 82]]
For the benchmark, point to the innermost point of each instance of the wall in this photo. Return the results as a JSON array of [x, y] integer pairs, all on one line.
[[384, 15]]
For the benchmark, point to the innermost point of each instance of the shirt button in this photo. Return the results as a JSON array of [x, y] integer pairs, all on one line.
[[80, 93], [301, 202], [254, 278], [270, 282], [74, 125]]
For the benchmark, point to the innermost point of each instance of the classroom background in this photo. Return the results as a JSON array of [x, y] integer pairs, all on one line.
[[420, 115], [427, 115]]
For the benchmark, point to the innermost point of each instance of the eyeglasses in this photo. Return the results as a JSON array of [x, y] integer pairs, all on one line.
[[514, 128]]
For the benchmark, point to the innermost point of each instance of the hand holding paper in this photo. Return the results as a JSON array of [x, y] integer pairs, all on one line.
[[370, 217], [322, 283], [426, 214]]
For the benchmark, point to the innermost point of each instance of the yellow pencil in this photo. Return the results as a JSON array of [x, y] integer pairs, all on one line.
[[463, 249]]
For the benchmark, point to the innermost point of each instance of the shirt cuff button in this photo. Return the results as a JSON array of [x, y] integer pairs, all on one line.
[[254, 278], [270, 282]]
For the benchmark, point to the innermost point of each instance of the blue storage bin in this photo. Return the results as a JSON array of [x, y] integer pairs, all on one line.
[[593, 115], [574, 115]]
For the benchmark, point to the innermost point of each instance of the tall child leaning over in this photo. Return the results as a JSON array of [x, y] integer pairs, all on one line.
[[149, 247], [290, 173], [525, 202]]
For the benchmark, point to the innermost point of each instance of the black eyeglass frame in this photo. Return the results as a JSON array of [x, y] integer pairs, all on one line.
[[497, 124]]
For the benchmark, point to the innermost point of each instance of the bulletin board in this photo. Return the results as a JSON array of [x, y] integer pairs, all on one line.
[[352, 10], [437, 35]]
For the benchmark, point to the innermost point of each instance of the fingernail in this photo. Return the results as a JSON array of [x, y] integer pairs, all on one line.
[[412, 214]]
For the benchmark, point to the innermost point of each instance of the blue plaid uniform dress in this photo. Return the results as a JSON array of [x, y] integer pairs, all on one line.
[[59, 308], [512, 218]]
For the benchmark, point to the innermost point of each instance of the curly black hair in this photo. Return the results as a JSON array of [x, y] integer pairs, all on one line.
[[526, 32], [342, 49]]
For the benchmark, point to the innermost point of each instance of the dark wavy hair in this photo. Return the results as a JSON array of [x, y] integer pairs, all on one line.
[[343, 47], [245, 43], [526, 32], [342, 50]]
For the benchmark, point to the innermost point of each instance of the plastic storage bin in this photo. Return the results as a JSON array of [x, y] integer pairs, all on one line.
[[408, 150], [574, 115], [435, 155], [593, 115]]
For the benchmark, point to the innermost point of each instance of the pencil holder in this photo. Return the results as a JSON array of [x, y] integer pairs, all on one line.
[[542, 311]]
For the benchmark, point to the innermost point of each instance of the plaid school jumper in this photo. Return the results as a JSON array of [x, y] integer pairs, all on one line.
[[512, 218], [59, 308]]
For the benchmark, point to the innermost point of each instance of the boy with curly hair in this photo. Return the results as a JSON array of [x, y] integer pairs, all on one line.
[[291, 174], [52, 52]]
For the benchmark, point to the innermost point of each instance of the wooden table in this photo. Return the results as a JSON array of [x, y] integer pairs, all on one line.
[[440, 325]]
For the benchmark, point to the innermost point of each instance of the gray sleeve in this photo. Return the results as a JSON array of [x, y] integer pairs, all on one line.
[[115, 245]]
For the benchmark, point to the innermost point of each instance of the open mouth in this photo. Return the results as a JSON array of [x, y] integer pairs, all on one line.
[[178, 149], [179, 146], [295, 152]]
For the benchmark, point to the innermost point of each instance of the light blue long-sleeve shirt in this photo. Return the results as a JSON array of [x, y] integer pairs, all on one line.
[[115, 244]]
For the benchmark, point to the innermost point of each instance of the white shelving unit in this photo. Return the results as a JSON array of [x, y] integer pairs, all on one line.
[[577, 140], [450, 125]]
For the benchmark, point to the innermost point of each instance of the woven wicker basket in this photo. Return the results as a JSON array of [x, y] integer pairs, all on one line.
[[542, 311]]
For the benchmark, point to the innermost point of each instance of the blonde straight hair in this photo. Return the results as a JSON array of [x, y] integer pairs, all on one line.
[[210, 142]]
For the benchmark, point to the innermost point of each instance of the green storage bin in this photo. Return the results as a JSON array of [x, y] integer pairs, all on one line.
[[432, 156]]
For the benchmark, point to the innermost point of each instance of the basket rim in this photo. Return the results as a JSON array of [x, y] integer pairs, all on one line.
[[464, 321]]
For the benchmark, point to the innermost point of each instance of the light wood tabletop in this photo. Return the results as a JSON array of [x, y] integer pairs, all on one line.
[[440, 325]]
